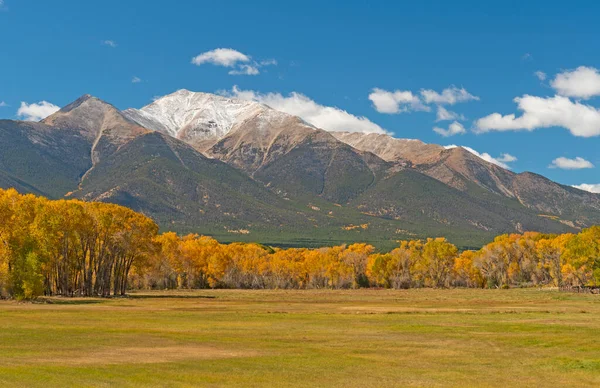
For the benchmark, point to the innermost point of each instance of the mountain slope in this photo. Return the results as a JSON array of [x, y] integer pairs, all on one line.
[[40, 159], [99, 122], [186, 192], [575, 207], [461, 169], [403, 151], [297, 160], [161, 176], [411, 195]]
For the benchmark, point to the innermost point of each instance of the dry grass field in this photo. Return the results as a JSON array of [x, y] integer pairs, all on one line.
[[354, 338]]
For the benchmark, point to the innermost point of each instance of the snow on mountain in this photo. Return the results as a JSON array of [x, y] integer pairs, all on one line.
[[195, 116]]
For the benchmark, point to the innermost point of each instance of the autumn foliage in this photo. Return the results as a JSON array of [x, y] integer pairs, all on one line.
[[70, 247]]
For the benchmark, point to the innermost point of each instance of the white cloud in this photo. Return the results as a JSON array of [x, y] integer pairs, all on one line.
[[245, 70], [241, 63], [324, 117], [268, 62], [136, 80], [507, 158], [485, 156], [571, 164], [36, 112], [540, 75], [110, 43], [543, 112], [527, 57], [396, 102], [3, 104], [400, 101], [583, 82], [449, 96], [455, 128], [592, 188], [445, 115], [221, 57]]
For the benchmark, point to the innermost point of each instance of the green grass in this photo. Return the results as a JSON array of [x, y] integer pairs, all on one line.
[[357, 338]]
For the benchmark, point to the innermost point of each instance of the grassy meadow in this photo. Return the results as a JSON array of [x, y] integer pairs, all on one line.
[[353, 338]]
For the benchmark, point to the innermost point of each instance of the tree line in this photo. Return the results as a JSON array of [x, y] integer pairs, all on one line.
[[69, 247], [75, 248]]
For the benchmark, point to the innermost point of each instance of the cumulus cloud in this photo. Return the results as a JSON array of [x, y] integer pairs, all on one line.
[[592, 188], [543, 112], [324, 117], [540, 75], [241, 63], [571, 164], [136, 80], [455, 128], [400, 101], [36, 112], [445, 115], [245, 70], [507, 158], [448, 96], [396, 102], [3, 104], [583, 82], [110, 43], [221, 57], [485, 156]]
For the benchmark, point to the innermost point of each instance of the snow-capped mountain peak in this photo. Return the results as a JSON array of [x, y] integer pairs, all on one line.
[[195, 116]]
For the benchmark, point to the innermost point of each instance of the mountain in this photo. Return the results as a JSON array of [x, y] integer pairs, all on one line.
[[461, 169], [98, 122], [239, 170], [194, 117], [169, 180], [279, 150], [300, 161], [89, 150]]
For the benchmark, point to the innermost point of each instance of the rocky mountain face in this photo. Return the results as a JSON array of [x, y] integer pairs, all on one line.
[[297, 160], [98, 122], [402, 151], [239, 170]]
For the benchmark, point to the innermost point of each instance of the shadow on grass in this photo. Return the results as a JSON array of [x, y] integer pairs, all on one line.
[[173, 296], [68, 301], [96, 300]]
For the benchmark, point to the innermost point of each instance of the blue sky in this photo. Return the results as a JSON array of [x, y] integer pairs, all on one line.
[[334, 54]]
